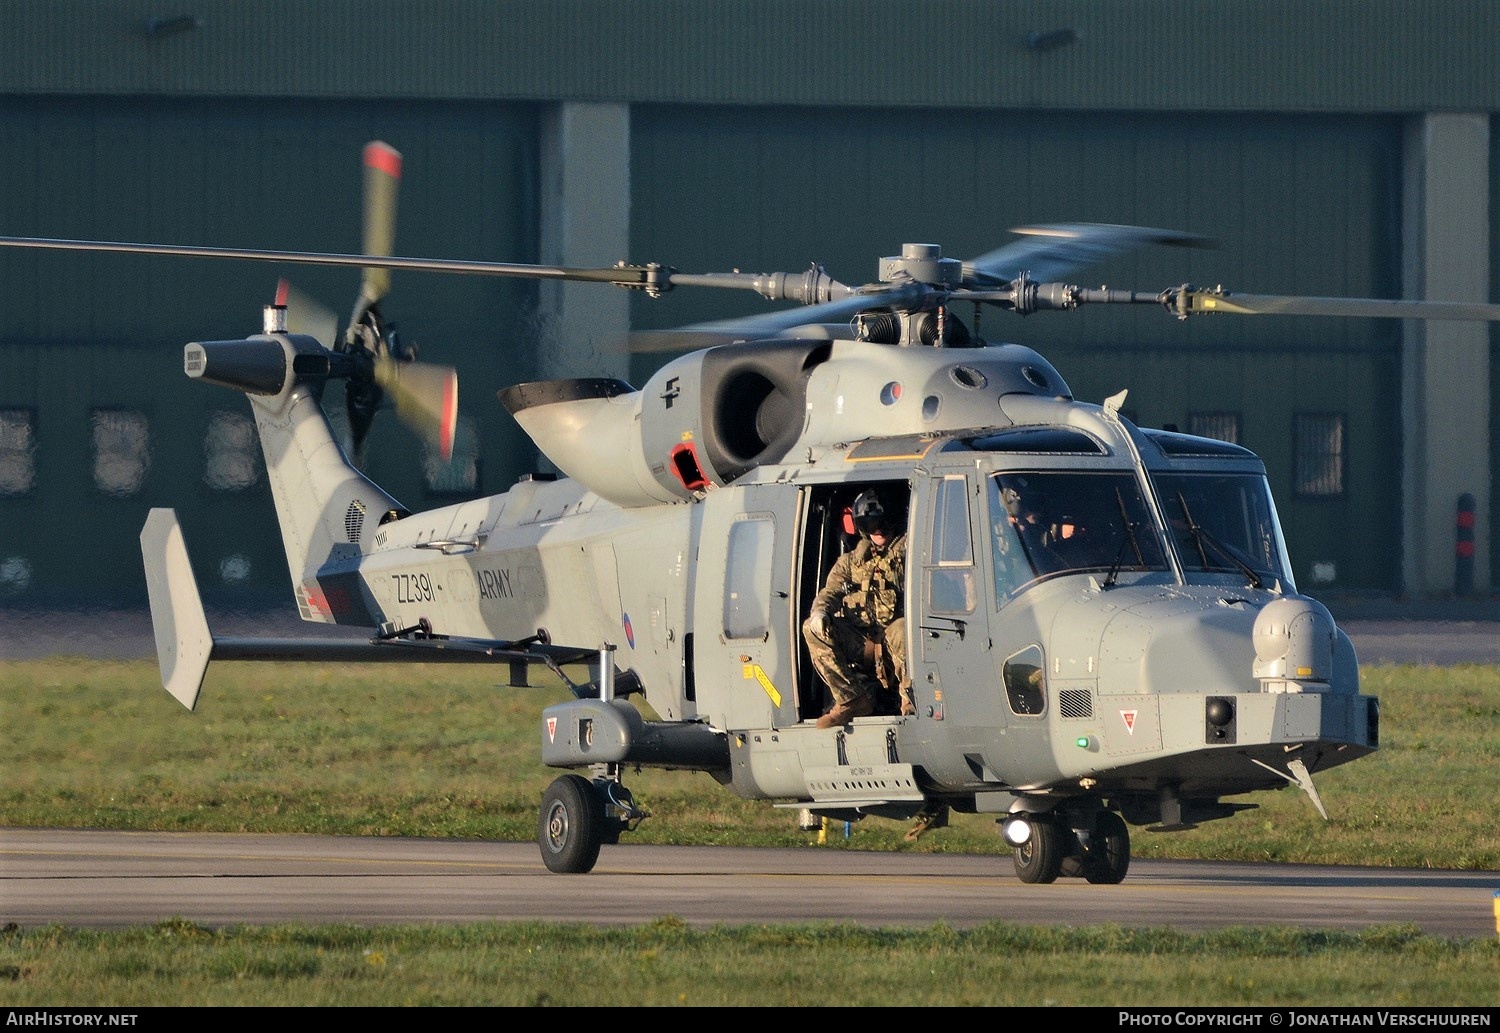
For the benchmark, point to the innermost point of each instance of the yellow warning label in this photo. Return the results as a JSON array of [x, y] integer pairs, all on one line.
[[755, 671]]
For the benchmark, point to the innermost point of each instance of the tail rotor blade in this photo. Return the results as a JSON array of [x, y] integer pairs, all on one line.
[[307, 315], [382, 177], [425, 396]]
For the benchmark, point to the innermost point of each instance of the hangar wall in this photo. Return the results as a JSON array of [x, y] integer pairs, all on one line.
[[1323, 162], [91, 345]]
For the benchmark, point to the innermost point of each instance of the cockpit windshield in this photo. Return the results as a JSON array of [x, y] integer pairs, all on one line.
[[1055, 521], [1224, 522]]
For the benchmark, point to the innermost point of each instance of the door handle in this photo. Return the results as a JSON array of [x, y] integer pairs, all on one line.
[[957, 626]]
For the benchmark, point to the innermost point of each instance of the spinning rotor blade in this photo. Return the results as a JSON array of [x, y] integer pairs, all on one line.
[[425, 396], [1191, 301], [306, 315], [772, 324], [995, 276], [1058, 250], [1187, 300], [382, 176], [653, 279], [900, 295]]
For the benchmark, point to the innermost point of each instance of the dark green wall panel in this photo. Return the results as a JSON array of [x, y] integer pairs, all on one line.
[[87, 330], [1296, 205]]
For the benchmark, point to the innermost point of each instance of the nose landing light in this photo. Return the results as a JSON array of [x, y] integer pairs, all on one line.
[[1017, 831], [1219, 725]]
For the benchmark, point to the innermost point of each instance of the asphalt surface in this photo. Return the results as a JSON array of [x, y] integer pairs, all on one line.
[[96, 879]]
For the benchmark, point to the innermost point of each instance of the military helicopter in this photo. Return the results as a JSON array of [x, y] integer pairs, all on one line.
[[1155, 666]]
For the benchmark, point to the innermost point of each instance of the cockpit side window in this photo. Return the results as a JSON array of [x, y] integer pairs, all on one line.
[[950, 570], [1025, 675]]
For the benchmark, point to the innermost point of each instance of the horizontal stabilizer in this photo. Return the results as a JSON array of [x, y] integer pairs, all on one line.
[[183, 642]]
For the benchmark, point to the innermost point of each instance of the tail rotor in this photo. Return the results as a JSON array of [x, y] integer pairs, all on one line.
[[378, 364]]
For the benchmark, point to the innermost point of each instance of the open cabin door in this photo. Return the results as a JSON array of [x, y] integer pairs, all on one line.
[[747, 631]]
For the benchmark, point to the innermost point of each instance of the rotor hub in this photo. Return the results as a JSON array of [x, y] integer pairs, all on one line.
[[923, 263]]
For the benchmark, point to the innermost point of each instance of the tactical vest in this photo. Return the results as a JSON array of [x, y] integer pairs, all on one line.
[[879, 579]]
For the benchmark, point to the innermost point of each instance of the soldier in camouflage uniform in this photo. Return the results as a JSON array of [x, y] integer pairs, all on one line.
[[858, 615]]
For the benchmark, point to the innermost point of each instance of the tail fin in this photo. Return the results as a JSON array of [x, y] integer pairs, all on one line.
[[183, 641], [323, 503]]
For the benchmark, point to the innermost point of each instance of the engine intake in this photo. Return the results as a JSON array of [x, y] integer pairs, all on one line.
[[702, 420]]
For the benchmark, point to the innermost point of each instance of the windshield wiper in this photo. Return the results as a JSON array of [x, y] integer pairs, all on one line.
[[1129, 539], [1202, 536]]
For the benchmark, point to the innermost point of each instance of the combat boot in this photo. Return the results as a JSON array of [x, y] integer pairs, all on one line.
[[842, 713]]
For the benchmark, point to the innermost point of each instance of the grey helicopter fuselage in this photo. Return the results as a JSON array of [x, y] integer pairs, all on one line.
[[1165, 666]]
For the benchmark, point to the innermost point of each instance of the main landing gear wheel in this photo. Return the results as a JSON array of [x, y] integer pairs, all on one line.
[[1039, 859], [572, 825], [1108, 858]]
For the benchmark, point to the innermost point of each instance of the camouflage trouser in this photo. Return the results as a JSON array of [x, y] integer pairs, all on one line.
[[847, 661]]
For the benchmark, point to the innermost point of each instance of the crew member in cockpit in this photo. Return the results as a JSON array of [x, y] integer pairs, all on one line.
[[860, 614], [1052, 541]]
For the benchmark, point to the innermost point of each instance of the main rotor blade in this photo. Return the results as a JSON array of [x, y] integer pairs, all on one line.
[[1192, 301], [425, 396], [771, 324], [651, 278], [1054, 251]]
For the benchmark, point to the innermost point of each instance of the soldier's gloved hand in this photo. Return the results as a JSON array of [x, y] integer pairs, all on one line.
[[818, 620]]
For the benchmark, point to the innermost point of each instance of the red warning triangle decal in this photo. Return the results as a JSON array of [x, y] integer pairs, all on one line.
[[551, 729], [1128, 716]]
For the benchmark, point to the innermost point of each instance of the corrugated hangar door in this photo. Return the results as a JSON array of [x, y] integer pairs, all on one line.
[[1295, 205], [97, 421]]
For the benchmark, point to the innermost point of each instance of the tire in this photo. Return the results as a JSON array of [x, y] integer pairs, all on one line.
[[571, 828], [1039, 859], [1109, 855]]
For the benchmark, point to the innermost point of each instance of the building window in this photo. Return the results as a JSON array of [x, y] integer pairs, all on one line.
[[17, 451], [1318, 454], [460, 475], [1225, 426], [122, 450], [231, 454]]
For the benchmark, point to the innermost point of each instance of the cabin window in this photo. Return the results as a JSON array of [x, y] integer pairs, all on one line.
[[747, 581], [1318, 440], [231, 454], [122, 450], [17, 451]]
